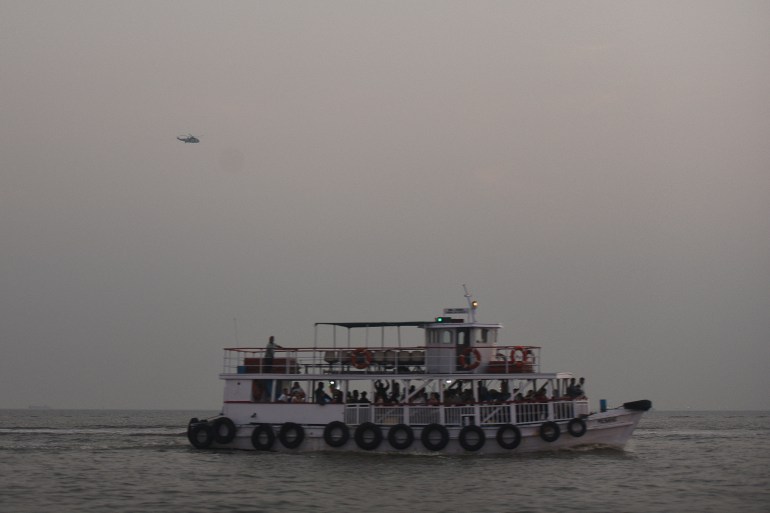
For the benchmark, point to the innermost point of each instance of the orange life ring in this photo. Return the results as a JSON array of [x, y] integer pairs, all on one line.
[[524, 356], [354, 358], [463, 358]]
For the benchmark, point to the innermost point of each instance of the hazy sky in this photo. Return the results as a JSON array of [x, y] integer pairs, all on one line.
[[598, 173]]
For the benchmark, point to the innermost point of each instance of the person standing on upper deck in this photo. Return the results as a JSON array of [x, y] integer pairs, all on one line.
[[270, 354]]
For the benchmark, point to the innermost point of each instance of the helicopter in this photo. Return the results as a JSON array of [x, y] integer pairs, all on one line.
[[189, 138]]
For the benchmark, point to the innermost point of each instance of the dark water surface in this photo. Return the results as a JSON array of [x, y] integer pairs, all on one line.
[[126, 461]]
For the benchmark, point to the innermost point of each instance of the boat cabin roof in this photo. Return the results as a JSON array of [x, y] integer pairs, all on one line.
[[419, 324], [373, 324]]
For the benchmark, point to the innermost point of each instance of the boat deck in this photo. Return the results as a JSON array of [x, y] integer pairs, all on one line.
[[366, 362]]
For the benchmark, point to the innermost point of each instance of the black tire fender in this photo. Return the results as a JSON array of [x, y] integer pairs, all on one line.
[[329, 434], [360, 436], [476, 430], [502, 434], [256, 437], [291, 435], [201, 435], [550, 431], [395, 441], [429, 444], [577, 427], [224, 430]]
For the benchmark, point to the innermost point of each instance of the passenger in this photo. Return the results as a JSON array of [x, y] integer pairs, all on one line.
[[297, 397], [395, 392], [505, 394], [483, 392], [321, 397], [381, 391], [284, 397], [336, 394], [295, 388], [269, 354], [434, 399], [541, 396], [363, 398], [581, 391], [355, 398], [572, 390]]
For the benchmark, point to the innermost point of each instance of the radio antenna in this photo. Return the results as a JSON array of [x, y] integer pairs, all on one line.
[[472, 304]]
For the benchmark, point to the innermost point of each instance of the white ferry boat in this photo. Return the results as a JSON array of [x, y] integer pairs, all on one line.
[[456, 390]]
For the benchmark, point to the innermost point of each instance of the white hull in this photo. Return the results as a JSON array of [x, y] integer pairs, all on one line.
[[610, 429]]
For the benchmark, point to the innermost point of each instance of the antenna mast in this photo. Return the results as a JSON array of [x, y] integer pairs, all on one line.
[[472, 304]]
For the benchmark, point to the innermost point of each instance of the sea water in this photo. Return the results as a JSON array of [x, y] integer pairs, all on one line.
[[127, 461]]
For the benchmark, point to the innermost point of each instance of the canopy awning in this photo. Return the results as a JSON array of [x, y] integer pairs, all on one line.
[[373, 324]]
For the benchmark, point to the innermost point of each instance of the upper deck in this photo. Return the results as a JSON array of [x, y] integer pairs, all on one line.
[[452, 344], [367, 362]]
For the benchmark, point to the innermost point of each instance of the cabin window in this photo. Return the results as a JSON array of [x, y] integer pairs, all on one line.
[[462, 337], [446, 337]]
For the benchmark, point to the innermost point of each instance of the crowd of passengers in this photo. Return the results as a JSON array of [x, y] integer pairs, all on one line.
[[457, 393]]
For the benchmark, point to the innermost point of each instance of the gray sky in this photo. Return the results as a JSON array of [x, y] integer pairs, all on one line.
[[598, 173]]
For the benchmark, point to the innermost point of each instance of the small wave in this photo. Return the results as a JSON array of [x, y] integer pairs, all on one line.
[[91, 431]]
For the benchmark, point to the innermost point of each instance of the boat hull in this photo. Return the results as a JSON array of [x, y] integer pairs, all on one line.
[[610, 429]]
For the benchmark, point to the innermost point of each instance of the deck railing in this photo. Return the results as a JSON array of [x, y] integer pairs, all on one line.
[[382, 360], [478, 414]]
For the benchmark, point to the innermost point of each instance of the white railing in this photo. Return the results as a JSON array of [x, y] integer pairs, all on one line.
[[478, 414], [423, 415], [495, 414], [459, 415], [384, 360]]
